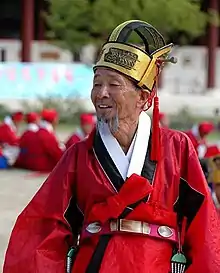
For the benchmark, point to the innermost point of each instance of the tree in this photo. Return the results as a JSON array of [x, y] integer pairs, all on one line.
[[79, 22]]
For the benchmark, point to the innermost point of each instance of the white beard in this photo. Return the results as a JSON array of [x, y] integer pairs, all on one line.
[[112, 124]]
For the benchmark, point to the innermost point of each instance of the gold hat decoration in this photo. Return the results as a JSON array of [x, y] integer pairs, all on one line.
[[139, 64]]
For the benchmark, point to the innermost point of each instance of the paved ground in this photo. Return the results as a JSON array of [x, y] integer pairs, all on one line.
[[16, 190]]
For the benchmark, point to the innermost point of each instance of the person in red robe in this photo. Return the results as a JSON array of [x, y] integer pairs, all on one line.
[[44, 149], [24, 160], [198, 135], [211, 151], [50, 149], [87, 123], [9, 139], [164, 120], [136, 195]]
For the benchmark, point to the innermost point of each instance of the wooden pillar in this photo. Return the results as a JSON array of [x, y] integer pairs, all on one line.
[[213, 34], [27, 31], [41, 22]]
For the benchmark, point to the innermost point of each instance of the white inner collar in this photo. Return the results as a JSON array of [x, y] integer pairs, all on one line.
[[46, 125], [133, 161], [80, 133], [32, 127], [8, 120]]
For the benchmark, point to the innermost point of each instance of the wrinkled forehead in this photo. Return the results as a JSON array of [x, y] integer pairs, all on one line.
[[108, 73]]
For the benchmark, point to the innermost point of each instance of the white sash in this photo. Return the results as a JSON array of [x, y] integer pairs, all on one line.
[[133, 161], [8, 120], [32, 127]]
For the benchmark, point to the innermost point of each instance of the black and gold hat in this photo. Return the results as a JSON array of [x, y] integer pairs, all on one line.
[[139, 64]]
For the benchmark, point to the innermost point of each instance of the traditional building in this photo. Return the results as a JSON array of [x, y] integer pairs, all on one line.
[[14, 12], [22, 19]]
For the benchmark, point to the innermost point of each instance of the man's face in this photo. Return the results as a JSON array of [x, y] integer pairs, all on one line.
[[115, 96]]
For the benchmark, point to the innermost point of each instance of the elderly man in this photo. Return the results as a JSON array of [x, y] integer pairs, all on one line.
[[138, 200]]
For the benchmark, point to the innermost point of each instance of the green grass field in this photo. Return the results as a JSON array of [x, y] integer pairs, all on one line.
[[214, 137], [69, 128]]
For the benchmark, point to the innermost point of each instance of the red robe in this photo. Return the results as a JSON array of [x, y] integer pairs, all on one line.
[[8, 135], [40, 151], [85, 184], [76, 137], [24, 160]]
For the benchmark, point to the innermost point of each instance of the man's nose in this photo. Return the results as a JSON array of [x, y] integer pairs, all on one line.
[[103, 92]]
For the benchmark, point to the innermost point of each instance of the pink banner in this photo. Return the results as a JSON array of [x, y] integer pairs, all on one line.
[[55, 75], [41, 73], [26, 73], [11, 73], [69, 75]]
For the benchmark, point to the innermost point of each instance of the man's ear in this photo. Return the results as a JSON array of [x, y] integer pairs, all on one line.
[[143, 97]]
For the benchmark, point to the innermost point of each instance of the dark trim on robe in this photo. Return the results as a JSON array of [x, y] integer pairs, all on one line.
[[188, 204], [189, 201], [73, 215], [111, 170], [114, 175], [106, 162]]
